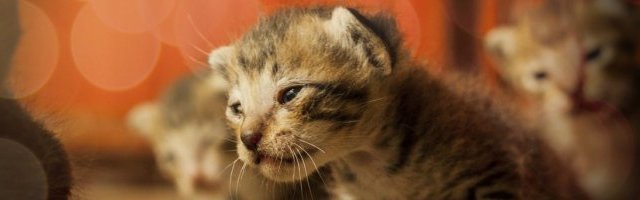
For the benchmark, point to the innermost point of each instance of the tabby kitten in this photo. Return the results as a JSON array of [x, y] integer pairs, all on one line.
[[330, 87], [188, 134]]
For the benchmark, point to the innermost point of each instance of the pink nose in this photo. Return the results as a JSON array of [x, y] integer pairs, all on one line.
[[202, 183], [251, 139]]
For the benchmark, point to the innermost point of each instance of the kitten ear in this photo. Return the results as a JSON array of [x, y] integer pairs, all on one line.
[[218, 60], [143, 118], [500, 42], [347, 29]]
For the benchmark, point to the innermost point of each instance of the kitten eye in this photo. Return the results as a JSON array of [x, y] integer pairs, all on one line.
[[236, 108], [593, 54], [540, 75], [289, 94]]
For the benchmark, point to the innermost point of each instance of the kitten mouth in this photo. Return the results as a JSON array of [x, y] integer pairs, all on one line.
[[269, 159], [264, 158]]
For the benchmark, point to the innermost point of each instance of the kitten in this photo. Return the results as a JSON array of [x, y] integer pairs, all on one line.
[[188, 134], [331, 87], [193, 146], [572, 58]]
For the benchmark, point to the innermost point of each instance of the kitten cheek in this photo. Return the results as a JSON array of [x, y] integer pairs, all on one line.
[[244, 154]]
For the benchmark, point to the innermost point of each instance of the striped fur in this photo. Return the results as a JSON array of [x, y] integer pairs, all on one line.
[[385, 127]]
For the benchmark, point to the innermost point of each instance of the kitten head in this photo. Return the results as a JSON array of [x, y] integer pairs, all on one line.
[[188, 134], [610, 41], [300, 86], [547, 53], [541, 71]]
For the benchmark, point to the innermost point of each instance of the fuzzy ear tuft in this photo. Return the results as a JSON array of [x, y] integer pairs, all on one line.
[[219, 56], [218, 60], [341, 19], [349, 30], [143, 118], [500, 42]]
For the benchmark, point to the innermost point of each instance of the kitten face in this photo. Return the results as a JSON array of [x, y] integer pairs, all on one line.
[[300, 82], [610, 42], [188, 133], [588, 48], [193, 156], [544, 71]]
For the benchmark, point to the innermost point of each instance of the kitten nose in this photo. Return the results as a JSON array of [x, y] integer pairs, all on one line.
[[250, 139], [201, 182]]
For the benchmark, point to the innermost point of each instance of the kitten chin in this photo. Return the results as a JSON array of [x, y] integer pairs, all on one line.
[[289, 169]]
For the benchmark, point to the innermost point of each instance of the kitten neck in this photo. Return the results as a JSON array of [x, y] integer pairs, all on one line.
[[401, 100]]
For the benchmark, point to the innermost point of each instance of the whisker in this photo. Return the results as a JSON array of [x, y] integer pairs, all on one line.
[[301, 140], [240, 177], [227, 167], [193, 24], [291, 153], [312, 162], [305, 171], [231, 178], [199, 49], [349, 122], [293, 171], [196, 60], [378, 99], [295, 158], [230, 140], [362, 105]]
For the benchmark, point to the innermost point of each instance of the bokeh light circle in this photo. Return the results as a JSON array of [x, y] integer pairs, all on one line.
[[165, 31], [133, 16], [110, 59], [202, 25], [36, 55], [23, 168]]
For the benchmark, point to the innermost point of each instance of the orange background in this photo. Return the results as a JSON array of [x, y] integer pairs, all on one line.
[[95, 59]]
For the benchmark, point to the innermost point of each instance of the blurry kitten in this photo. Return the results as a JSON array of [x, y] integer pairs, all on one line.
[[575, 59], [330, 87], [193, 146], [188, 134]]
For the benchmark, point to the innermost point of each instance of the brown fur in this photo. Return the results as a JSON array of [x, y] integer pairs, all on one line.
[[385, 127]]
